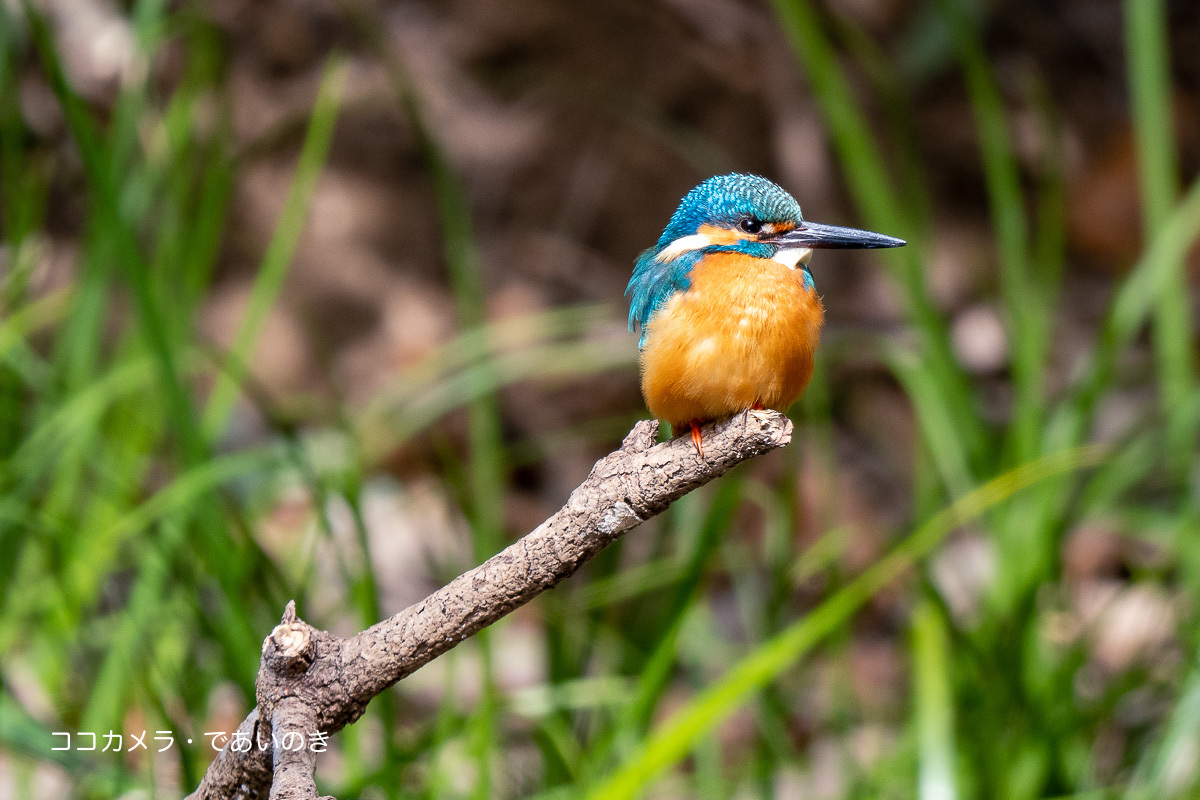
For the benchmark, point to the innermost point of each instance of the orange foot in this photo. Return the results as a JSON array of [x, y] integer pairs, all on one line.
[[697, 440]]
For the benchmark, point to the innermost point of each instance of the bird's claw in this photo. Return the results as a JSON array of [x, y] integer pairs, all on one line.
[[697, 439], [758, 411]]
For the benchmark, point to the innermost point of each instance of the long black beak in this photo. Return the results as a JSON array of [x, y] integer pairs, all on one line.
[[816, 235]]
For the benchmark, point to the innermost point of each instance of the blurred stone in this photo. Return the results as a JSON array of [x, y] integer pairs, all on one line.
[[1090, 599], [39, 108], [721, 21], [46, 780], [738, 731], [558, 265], [1149, 554], [288, 518], [875, 298], [1119, 413], [261, 193], [280, 361], [97, 46], [347, 207], [264, 105], [55, 263], [1090, 683], [477, 131], [226, 709], [1028, 130], [415, 318], [1072, 337], [286, 36], [877, 672], [1141, 707], [789, 783], [417, 537], [963, 570], [823, 495], [24, 685], [827, 776], [884, 429], [871, 743], [1091, 551], [802, 150], [234, 16], [1103, 210], [979, 339], [516, 299], [519, 653], [878, 15], [1108, 752], [1138, 621], [962, 262], [1060, 628]]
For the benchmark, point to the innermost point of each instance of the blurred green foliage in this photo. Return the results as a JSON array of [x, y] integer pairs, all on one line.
[[133, 585]]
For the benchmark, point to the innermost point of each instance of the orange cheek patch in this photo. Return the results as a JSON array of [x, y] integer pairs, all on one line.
[[721, 235], [718, 235]]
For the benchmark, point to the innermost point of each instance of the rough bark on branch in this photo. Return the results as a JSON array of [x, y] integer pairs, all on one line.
[[323, 681], [294, 776]]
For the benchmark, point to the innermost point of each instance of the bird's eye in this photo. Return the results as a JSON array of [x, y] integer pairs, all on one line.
[[750, 225]]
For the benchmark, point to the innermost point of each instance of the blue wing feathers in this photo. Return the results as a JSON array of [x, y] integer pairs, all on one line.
[[654, 283]]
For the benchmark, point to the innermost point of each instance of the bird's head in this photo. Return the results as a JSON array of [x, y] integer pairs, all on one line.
[[734, 213], [750, 214]]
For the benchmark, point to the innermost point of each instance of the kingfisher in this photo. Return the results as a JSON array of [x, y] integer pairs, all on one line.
[[725, 302]]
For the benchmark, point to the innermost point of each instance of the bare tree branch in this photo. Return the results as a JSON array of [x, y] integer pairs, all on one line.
[[314, 678], [294, 776]]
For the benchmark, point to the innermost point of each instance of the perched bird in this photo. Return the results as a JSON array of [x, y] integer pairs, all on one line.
[[728, 312]]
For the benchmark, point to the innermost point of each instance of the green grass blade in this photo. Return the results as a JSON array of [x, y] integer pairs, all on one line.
[[282, 246], [98, 167], [1149, 64], [386, 427], [487, 469], [867, 176], [192, 486], [1169, 768], [18, 325], [1146, 42], [656, 673], [166, 509], [933, 416], [1026, 315], [934, 711], [1136, 299]]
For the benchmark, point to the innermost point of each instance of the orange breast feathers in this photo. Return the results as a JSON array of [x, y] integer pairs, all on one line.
[[743, 335]]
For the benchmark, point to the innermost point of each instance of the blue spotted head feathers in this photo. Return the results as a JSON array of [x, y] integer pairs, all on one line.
[[726, 200], [725, 213]]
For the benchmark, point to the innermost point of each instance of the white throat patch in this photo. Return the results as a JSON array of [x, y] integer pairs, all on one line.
[[792, 257], [684, 244]]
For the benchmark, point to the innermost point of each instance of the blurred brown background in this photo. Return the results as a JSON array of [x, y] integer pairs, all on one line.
[[574, 129]]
